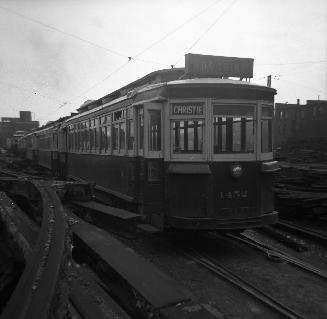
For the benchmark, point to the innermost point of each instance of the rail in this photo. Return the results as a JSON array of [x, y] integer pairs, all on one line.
[[242, 284], [303, 231], [276, 253]]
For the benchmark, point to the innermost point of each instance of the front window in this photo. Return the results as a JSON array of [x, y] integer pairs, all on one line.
[[188, 136], [233, 129], [266, 129]]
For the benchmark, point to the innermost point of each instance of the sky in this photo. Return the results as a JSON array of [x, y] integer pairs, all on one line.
[[54, 55]]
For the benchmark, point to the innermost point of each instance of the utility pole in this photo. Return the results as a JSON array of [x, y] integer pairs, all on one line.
[[269, 81]]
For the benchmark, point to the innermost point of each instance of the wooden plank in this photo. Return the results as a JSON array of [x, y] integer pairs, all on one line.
[[109, 210], [150, 282]]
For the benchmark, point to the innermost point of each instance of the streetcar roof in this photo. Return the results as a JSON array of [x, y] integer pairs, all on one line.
[[115, 101], [194, 81], [217, 81]]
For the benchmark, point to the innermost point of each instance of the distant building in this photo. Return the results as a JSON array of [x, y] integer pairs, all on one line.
[[296, 122], [9, 125]]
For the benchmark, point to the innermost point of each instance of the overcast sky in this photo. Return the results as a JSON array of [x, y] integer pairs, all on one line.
[[54, 55]]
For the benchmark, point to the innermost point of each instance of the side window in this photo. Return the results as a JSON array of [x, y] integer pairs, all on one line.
[[95, 134], [103, 138], [108, 132], [141, 128], [119, 130], [91, 136], [154, 130], [130, 129], [122, 133], [115, 135], [266, 129]]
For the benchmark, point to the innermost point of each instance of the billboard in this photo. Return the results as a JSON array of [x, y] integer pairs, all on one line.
[[218, 66]]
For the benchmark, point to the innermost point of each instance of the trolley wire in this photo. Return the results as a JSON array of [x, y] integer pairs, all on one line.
[[30, 91], [168, 34], [101, 81], [63, 32], [207, 29], [136, 57], [302, 85], [99, 46], [290, 63]]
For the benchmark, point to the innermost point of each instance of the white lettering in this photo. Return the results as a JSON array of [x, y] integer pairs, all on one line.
[[187, 109]]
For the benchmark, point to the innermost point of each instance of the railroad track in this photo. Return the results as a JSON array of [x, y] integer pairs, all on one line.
[[40, 291], [275, 253], [11, 173], [302, 231], [208, 263]]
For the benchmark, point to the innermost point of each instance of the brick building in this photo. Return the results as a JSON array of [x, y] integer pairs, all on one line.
[[297, 122], [9, 125]]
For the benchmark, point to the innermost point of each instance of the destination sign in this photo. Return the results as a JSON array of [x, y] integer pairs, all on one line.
[[218, 66], [187, 109]]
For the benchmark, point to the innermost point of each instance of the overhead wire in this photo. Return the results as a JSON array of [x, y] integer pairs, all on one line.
[[168, 34], [208, 29], [63, 32], [302, 85], [130, 58], [101, 81], [99, 46], [291, 63], [31, 91], [135, 57]]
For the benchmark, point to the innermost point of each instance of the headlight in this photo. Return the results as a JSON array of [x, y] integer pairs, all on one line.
[[237, 171]]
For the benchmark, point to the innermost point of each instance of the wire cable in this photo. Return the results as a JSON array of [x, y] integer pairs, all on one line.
[[31, 92], [98, 83], [63, 32], [207, 30], [290, 63], [86, 91], [176, 29], [304, 86], [78, 37]]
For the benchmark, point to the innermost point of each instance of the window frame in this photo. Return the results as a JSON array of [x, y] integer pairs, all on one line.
[[132, 110], [221, 157], [152, 106], [118, 151], [268, 155], [178, 117]]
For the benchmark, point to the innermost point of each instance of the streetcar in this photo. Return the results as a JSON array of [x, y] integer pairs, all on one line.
[[187, 148]]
